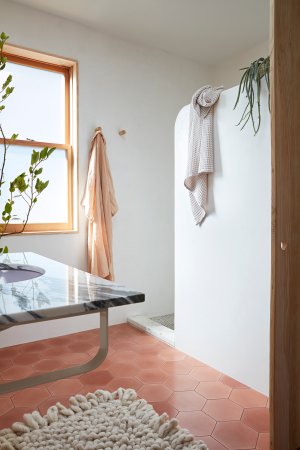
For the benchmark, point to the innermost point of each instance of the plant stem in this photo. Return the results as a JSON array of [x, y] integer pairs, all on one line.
[[4, 155]]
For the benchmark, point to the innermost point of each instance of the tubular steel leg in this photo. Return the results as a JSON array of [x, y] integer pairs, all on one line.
[[68, 372]]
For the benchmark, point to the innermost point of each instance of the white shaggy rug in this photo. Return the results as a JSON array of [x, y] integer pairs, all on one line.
[[102, 420]]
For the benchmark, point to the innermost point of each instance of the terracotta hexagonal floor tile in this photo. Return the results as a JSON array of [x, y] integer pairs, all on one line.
[[193, 362], [248, 398], [235, 435], [62, 341], [111, 351], [143, 339], [79, 347], [181, 382], [10, 352], [30, 397], [223, 410], [73, 359], [55, 351], [205, 374], [263, 442], [84, 335], [5, 364], [198, 423], [231, 382], [150, 350], [211, 443], [164, 407], [87, 389], [123, 369], [213, 389], [38, 346], [70, 386], [257, 418], [154, 392], [5, 405], [176, 368], [124, 382], [96, 378], [119, 345], [187, 401], [148, 362], [124, 356], [51, 401], [46, 365], [26, 359], [171, 354], [17, 372], [12, 416], [152, 376]]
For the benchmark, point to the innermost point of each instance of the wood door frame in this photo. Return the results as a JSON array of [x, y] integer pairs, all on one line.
[[285, 297]]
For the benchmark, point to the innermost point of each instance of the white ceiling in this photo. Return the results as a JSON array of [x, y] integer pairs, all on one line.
[[208, 31]]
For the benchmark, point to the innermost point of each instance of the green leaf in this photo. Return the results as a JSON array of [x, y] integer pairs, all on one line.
[[7, 82], [5, 250], [20, 183], [4, 36], [38, 171], [14, 136], [44, 152], [51, 150], [8, 208], [40, 185], [34, 157], [12, 187]]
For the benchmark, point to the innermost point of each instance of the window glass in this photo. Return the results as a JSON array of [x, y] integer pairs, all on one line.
[[52, 205], [36, 108]]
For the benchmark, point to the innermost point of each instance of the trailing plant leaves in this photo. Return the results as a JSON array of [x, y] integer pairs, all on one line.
[[7, 82], [250, 84]]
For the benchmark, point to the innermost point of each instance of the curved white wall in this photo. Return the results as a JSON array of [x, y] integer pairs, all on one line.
[[222, 269]]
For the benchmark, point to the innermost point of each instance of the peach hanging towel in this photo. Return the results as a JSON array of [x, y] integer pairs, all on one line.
[[100, 206]]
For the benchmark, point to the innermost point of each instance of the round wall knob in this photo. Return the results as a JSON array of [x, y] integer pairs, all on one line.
[[283, 246]]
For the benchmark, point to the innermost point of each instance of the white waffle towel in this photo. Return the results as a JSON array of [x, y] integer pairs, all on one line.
[[201, 149]]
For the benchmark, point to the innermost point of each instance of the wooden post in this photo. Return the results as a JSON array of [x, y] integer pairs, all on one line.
[[285, 304]]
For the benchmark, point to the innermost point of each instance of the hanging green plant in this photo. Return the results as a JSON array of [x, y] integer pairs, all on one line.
[[251, 84]]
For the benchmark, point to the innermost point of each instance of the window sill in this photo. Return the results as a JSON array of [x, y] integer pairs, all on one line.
[[47, 232]]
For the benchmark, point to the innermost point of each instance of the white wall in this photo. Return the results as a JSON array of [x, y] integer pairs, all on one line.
[[222, 268], [228, 74], [141, 90]]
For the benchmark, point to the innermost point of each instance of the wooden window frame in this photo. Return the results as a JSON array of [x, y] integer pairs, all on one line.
[[69, 68]]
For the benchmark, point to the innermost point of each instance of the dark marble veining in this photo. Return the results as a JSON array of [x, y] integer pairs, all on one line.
[[62, 291]]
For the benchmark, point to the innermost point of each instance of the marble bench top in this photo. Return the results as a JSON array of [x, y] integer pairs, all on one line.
[[62, 291]]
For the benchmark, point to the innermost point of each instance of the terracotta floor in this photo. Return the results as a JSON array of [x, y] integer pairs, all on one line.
[[224, 413]]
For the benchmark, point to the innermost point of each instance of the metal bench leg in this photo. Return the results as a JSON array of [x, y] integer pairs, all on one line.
[[68, 372]]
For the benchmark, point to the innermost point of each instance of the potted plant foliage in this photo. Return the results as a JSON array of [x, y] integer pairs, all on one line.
[[250, 84]]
